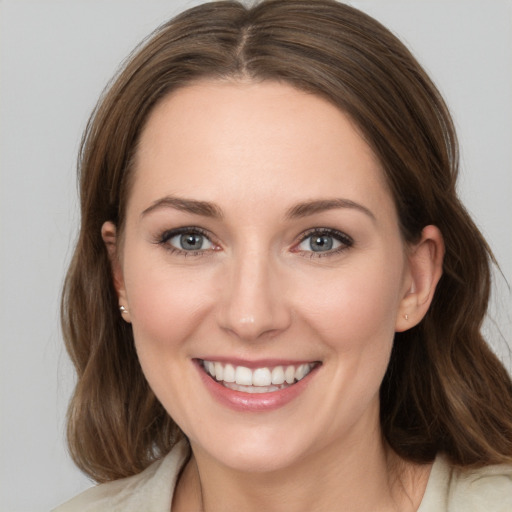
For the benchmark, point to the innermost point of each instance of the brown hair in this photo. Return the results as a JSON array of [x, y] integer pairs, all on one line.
[[444, 390]]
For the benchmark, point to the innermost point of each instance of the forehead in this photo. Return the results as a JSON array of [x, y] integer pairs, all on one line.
[[219, 141]]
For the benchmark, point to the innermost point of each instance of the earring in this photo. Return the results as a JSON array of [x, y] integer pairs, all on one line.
[[123, 310], [406, 316]]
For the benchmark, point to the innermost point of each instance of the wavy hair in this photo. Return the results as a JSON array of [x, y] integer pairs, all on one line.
[[444, 391]]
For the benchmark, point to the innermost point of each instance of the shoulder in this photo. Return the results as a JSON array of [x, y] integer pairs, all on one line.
[[454, 489], [151, 491], [488, 489]]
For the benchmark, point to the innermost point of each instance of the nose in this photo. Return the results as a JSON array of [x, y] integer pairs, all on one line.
[[253, 304]]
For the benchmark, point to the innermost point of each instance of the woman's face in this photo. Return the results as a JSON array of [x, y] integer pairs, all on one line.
[[261, 243]]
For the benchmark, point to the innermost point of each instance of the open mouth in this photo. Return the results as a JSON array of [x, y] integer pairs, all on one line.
[[257, 380]]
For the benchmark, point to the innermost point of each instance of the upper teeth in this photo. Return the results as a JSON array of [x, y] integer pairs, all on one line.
[[259, 376]]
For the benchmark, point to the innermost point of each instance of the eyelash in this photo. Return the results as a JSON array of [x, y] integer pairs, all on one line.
[[345, 241], [166, 236]]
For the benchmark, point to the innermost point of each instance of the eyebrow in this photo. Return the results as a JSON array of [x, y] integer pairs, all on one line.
[[322, 205], [193, 206], [206, 209]]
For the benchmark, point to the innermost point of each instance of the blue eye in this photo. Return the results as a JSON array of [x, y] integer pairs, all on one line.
[[324, 241], [191, 242], [187, 240]]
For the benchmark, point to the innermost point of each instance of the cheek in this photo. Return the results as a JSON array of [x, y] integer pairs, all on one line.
[[166, 306], [165, 302], [354, 317], [355, 306]]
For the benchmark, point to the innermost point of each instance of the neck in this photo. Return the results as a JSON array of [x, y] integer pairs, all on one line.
[[354, 477]]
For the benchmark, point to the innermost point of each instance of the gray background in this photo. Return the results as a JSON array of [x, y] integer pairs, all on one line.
[[55, 58]]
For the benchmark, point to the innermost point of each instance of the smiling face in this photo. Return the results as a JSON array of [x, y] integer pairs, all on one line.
[[261, 243]]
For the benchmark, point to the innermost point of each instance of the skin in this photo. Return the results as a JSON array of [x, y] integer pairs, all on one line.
[[256, 290]]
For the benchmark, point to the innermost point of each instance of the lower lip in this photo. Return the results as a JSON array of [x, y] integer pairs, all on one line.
[[254, 402]]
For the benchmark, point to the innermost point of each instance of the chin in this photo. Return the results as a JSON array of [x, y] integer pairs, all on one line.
[[257, 450]]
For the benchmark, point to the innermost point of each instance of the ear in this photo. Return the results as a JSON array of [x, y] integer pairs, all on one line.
[[425, 267], [109, 235]]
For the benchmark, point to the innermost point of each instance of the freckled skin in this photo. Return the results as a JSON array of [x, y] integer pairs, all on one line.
[[255, 151]]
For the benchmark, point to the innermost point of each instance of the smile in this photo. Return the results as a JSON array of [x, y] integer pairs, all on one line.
[[257, 380]]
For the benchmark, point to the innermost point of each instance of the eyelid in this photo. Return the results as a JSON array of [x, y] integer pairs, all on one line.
[[166, 235], [163, 238], [345, 240], [169, 233]]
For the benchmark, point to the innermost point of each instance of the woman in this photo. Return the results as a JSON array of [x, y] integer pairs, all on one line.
[[276, 297]]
